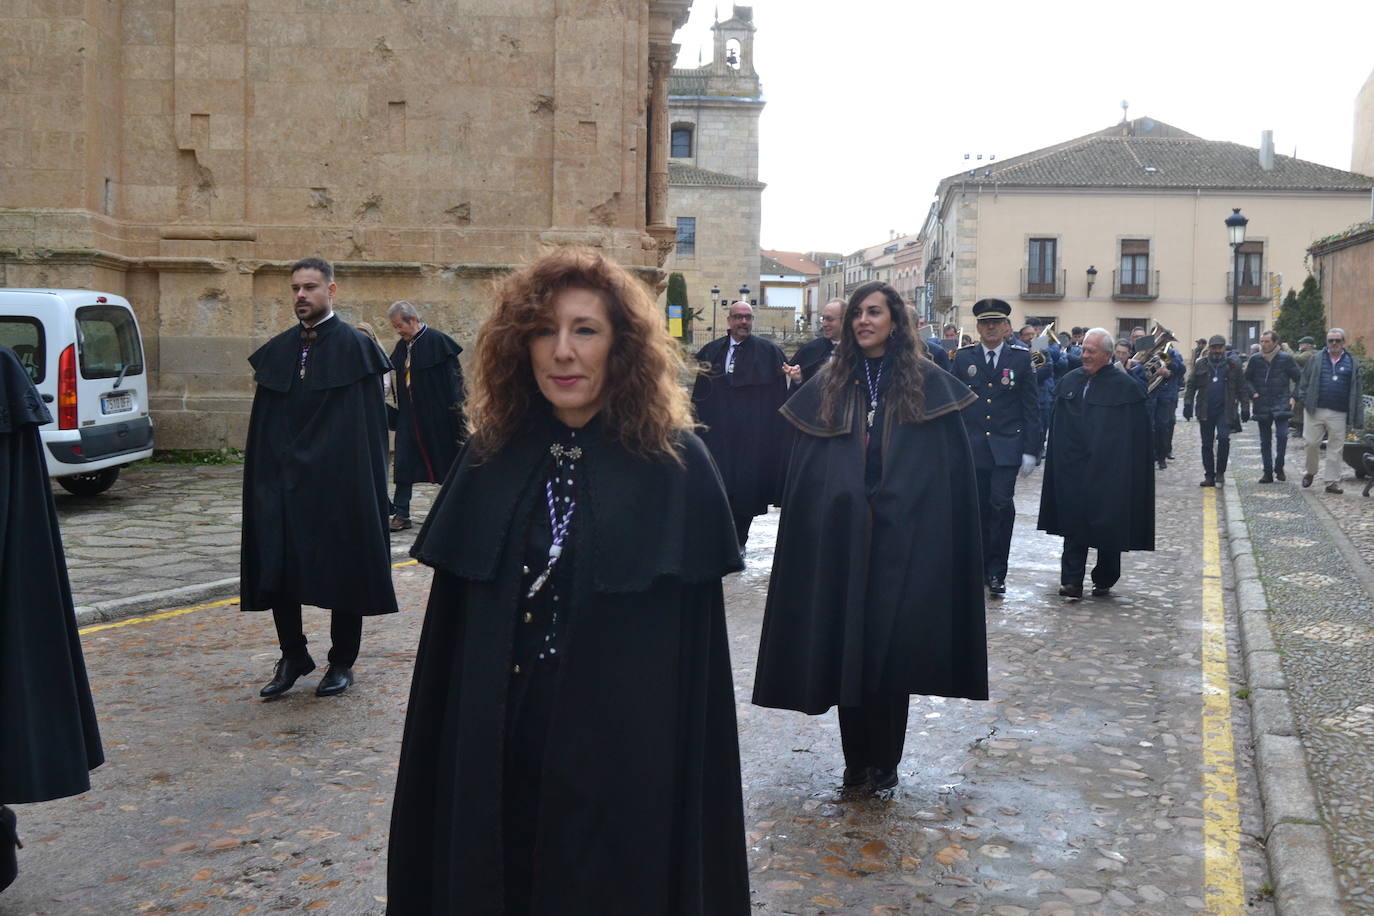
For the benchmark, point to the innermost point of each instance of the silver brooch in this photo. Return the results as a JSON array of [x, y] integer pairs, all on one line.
[[572, 454]]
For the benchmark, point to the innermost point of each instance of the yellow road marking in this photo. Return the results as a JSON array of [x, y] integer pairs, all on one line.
[[1223, 885], [164, 615]]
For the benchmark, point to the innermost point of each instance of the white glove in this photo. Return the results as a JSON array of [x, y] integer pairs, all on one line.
[[1028, 463]]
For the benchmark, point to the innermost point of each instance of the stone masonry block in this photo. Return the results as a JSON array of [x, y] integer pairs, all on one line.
[[1284, 784], [1300, 864], [1270, 713], [1265, 670], [1250, 595], [1256, 635]]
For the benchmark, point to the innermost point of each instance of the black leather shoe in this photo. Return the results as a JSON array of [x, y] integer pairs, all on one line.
[[1100, 592], [1071, 591], [1307, 480], [1266, 478], [1221, 480], [997, 585], [1162, 464], [287, 672], [1278, 473], [883, 779], [1208, 482], [856, 776], [335, 681]]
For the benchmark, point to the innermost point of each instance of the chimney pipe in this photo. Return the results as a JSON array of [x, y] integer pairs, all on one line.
[[1266, 151]]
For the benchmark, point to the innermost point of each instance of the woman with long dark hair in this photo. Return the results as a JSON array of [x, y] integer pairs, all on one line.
[[570, 744], [876, 591]]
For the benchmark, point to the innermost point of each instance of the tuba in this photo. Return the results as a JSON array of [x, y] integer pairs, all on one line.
[[1040, 344], [1152, 352]]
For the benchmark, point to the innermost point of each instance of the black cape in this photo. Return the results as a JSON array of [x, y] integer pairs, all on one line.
[[315, 506], [1099, 482], [430, 427], [744, 432], [49, 740], [812, 355], [882, 593], [641, 808]]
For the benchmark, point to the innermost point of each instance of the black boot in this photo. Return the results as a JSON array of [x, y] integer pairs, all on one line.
[[9, 842]]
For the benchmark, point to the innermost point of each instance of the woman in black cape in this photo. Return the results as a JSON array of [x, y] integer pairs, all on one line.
[[570, 744], [876, 590], [49, 740]]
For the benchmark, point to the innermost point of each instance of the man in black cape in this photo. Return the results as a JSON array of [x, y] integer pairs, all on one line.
[[49, 740], [1099, 488], [640, 807], [814, 354], [314, 483], [737, 399], [430, 426]]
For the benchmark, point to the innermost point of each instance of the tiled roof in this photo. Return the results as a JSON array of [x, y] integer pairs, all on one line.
[[679, 173], [792, 262], [1166, 158]]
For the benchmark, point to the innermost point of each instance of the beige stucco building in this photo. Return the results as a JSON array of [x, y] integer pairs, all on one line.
[[715, 198], [1362, 152], [1143, 206], [184, 152]]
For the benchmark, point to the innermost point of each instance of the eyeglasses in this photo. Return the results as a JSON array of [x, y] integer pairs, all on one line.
[[1335, 340]]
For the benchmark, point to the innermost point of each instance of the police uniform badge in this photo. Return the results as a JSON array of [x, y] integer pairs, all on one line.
[[972, 371], [1006, 376]]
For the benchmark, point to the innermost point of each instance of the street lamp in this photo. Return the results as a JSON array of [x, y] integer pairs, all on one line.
[[715, 299], [1092, 278], [744, 292], [1235, 229]]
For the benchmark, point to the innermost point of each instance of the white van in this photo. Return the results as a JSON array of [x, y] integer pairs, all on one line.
[[84, 352]]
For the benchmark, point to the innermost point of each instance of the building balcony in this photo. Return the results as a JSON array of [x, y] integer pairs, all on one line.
[[1042, 284], [1135, 285], [942, 288], [1253, 287]]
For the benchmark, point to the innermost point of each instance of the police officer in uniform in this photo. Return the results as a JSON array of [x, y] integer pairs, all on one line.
[[1003, 427]]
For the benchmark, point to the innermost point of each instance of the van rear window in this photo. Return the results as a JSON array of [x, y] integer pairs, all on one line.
[[109, 342], [25, 337]]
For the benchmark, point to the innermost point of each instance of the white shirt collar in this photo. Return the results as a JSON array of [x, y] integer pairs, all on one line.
[[320, 322], [997, 350]]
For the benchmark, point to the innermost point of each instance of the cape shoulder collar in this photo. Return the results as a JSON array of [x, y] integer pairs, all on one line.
[[431, 347], [339, 356], [944, 394], [1111, 387], [20, 404], [638, 520]]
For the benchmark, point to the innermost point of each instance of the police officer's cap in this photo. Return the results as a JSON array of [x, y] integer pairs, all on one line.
[[991, 310]]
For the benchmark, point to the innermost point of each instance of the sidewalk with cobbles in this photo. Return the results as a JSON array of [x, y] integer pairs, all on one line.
[[1310, 551]]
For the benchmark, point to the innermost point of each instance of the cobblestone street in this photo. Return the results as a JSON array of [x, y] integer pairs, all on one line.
[[1078, 789]]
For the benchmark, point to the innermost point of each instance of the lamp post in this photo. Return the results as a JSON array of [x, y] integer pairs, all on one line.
[[1235, 229], [744, 292], [715, 300], [1092, 278]]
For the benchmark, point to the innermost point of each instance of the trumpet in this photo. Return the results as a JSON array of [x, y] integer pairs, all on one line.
[[1152, 352], [1040, 344]]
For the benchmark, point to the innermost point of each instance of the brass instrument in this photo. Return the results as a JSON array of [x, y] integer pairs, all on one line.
[[1152, 352], [1040, 344]]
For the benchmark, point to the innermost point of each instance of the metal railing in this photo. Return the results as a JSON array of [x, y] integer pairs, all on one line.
[[944, 287], [1042, 284], [1143, 284], [1258, 291]]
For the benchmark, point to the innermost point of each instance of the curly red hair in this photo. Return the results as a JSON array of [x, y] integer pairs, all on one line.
[[645, 405]]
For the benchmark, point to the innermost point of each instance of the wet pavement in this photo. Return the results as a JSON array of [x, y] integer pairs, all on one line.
[[1311, 551], [1088, 784]]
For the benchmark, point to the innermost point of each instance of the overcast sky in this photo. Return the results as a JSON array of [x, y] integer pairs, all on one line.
[[872, 102]]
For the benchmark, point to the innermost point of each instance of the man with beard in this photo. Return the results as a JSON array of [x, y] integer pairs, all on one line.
[[1099, 488], [314, 483], [429, 399], [1003, 427], [814, 354], [1217, 385], [737, 397]]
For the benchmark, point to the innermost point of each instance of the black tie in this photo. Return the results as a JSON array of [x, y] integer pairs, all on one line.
[[992, 359]]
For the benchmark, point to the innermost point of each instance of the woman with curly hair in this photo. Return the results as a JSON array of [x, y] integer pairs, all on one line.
[[877, 590], [570, 744]]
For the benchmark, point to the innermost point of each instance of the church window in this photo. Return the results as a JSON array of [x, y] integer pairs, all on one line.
[[681, 141], [686, 235]]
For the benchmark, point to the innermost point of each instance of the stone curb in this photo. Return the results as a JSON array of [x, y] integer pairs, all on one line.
[[172, 598], [1295, 840]]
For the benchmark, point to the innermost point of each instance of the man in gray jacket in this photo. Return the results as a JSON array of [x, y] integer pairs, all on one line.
[[1330, 393]]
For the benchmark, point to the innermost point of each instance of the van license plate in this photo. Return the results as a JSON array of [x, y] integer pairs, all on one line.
[[116, 403]]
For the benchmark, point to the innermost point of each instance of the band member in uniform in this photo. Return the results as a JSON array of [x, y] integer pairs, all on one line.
[[1003, 427]]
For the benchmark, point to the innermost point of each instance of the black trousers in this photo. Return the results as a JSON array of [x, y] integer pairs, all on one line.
[[1074, 561], [345, 633], [873, 734], [742, 523], [1162, 420], [997, 515], [1221, 432], [1273, 443]]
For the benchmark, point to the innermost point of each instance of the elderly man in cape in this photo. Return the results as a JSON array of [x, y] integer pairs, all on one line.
[[1099, 488]]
